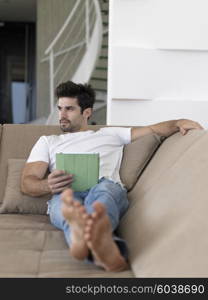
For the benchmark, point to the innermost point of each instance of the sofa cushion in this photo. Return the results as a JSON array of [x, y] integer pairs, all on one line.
[[16, 142], [14, 200], [136, 155], [32, 247]]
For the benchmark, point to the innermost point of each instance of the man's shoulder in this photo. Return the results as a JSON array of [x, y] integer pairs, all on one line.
[[114, 129], [108, 128], [104, 130], [52, 137]]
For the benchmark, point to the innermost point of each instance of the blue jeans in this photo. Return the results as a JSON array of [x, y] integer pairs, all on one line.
[[111, 194]]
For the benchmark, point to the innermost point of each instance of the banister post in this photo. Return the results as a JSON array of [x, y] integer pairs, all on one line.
[[87, 27], [51, 76]]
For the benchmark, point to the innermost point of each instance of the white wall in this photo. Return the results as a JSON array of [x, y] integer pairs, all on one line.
[[158, 61]]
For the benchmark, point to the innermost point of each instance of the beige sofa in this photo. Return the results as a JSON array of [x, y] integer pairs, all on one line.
[[166, 226]]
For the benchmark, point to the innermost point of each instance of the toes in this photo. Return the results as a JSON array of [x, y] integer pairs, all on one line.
[[99, 207], [67, 210], [89, 222], [88, 230], [87, 237], [99, 210], [88, 225], [67, 196], [81, 209], [67, 193], [77, 204], [85, 216]]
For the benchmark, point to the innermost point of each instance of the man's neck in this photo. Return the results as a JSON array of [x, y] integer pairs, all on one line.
[[84, 128]]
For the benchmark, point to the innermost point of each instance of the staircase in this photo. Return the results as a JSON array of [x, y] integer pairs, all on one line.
[[99, 76], [74, 52], [78, 40]]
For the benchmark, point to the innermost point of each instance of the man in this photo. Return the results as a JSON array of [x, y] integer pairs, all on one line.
[[88, 219]]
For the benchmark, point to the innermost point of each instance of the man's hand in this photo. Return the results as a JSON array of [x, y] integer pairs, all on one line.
[[58, 181], [185, 125]]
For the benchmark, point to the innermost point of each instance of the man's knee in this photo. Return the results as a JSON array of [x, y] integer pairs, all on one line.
[[109, 187]]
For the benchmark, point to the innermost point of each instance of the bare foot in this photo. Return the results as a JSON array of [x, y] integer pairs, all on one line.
[[76, 216], [99, 239]]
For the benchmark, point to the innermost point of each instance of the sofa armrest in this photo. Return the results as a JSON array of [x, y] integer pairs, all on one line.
[[166, 225]]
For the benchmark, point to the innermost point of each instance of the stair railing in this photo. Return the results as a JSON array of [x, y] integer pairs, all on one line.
[[83, 30]]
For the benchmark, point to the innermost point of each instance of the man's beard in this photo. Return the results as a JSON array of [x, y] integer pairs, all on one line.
[[67, 126]]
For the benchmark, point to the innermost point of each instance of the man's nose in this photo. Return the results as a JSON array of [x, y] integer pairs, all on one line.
[[63, 113]]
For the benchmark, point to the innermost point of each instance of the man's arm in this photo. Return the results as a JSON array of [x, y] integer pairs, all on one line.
[[35, 181], [165, 129]]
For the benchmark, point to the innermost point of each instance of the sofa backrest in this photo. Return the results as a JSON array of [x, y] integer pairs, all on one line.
[[17, 141]]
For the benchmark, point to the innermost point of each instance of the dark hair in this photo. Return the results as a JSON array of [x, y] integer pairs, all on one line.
[[84, 93]]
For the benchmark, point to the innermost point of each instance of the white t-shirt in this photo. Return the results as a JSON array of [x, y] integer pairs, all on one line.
[[107, 141]]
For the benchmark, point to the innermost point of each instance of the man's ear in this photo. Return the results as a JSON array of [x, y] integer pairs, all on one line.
[[87, 112]]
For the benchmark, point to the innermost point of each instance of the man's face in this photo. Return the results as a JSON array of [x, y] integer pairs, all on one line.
[[70, 117]]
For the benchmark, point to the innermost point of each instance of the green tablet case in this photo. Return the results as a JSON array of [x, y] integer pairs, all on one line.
[[84, 167]]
